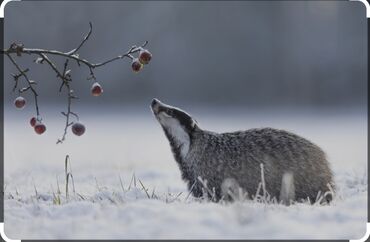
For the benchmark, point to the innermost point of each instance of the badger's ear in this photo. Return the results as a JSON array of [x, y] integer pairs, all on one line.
[[194, 123]]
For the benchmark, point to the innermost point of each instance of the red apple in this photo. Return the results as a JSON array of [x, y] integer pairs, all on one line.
[[136, 65], [20, 102], [96, 89], [40, 128], [33, 121], [145, 56], [78, 128]]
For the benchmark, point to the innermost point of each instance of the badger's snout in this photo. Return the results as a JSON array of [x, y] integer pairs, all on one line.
[[155, 105], [154, 102]]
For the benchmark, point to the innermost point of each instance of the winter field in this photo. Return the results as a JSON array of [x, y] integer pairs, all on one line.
[[128, 186]]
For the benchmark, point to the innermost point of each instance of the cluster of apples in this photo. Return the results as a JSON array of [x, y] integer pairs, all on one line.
[[96, 90], [40, 128], [137, 64]]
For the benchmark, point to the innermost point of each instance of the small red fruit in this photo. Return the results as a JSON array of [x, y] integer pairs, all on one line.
[[96, 89], [40, 128], [78, 128], [145, 56], [33, 121], [136, 65], [20, 102]]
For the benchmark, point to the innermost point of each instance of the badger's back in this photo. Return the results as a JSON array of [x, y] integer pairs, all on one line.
[[238, 156]]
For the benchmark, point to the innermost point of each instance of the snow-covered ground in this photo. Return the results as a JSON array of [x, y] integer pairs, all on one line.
[[125, 144]]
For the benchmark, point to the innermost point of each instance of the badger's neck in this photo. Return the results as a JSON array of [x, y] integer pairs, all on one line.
[[179, 142]]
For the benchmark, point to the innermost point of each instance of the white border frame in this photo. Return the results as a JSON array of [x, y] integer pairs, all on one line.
[[3, 235], [364, 238], [366, 3], [2, 7]]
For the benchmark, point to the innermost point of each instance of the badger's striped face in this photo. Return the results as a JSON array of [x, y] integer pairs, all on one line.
[[177, 125]]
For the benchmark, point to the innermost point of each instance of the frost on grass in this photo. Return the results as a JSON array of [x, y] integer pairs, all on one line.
[[135, 210]]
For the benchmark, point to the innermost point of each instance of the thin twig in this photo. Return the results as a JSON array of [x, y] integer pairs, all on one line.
[[16, 78], [83, 41], [52, 65], [66, 76], [29, 82], [70, 96]]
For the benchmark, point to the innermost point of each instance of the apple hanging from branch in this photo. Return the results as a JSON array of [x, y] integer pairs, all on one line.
[[16, 50]]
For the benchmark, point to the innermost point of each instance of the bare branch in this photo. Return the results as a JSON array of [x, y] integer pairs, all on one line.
[[133, 50], [51, 64], [29, 82], [65, 82], [92, 75], [67, 123], [76, 57], [65, 75], [24, 89], [70, 96], [83, 41], [74, 114]]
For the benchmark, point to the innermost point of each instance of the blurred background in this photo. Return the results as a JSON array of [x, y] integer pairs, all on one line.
[[245, 53], [295, 65]]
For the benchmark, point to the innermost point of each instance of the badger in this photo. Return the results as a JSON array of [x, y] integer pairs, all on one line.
[[289, 167]]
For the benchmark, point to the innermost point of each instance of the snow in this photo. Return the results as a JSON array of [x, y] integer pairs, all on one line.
[[132, 146]]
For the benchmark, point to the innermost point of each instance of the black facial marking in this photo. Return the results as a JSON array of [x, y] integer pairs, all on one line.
[[184, 119]]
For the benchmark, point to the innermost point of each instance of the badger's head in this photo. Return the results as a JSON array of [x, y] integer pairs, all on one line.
[[177, 125]]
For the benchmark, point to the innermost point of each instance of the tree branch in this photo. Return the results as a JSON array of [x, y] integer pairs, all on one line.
[[64, 76], [83, 41], [29, 82], [132, 50], [70, 96]]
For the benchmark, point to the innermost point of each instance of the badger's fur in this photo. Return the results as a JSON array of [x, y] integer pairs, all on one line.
[[293, 167]]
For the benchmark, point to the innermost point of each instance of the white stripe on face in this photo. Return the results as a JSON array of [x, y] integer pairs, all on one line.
[[176, 131]]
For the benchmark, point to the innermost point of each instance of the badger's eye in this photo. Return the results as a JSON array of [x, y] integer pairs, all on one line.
[[169, 112]]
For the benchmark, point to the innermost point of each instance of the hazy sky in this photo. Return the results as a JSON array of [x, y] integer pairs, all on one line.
[[207, 53]]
